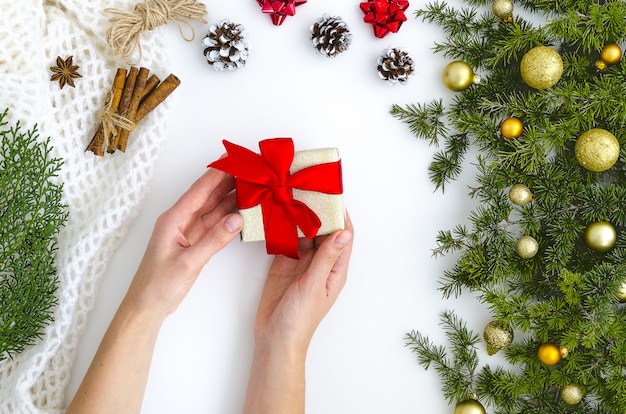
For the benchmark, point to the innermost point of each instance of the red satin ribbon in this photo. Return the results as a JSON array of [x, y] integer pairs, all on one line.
[[385, 15], [279, 9], [265, 179]]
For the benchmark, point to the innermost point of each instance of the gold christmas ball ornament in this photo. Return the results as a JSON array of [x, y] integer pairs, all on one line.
[[597, 149], [621, 293], [503, 9], [469, 406], [550, 353], [527, 247], [541, 67], [458, 76], [572, 394], [520, 195], [511, 128], [600, 236], [610, 55], [497, 336]]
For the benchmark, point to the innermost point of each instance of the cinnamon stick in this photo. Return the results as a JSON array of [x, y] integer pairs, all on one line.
[[158, 95], [129, 86], [151, 83], [124, 105], [99, 140], [96, 145], [138, 92], [133, 96], [118, 88]]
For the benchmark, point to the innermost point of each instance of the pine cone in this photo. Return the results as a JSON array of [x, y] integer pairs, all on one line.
[[330, 35], [395, 65], [226, 46]]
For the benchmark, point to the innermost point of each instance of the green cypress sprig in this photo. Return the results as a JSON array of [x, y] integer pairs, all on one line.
[[31, 215]]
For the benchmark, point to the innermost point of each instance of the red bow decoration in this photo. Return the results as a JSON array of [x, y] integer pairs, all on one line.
[[265, 179], [385, 15], [279, 9]]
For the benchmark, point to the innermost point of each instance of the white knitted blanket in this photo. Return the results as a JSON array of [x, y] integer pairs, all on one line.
[[103, 193]]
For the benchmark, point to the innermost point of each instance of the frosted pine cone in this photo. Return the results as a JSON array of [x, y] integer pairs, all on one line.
[[226, 46], [395, 65], [330, 35]]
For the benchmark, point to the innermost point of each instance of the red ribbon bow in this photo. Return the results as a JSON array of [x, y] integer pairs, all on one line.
[[385, 15], [279, 9], [265, 179]]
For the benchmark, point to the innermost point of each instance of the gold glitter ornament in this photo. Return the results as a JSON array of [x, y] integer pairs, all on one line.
[[621, 293], [519, 194], [469, 406], [572, 394], [527, 247], [458, 76], [550, 353], [597, 150], [511, 128], [503, 9], [600, 236], [497, 336], [541, 67], [610, 55]]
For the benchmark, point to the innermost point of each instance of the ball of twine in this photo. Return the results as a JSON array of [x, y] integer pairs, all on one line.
[[125, 33]]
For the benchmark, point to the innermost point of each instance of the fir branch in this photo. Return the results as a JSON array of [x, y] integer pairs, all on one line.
[[424, 120], [458, 375], [596, 203], [462, 340], [566, 293], [452, 282], [31, 215], [455, 22], [501, 387], [588, 26], [511, 42], [509, 306], [461, 26], [427, 352], [449, 241], [446, 165]]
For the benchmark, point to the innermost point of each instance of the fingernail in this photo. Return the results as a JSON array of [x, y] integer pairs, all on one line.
[[343, 239], [233, 223]]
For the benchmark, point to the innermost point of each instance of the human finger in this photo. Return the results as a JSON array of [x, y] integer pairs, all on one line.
[[223, 189], [227, 205], [211, 186], [337, 277], [215, 239], [328, 253], [198, 225], [304, 244]]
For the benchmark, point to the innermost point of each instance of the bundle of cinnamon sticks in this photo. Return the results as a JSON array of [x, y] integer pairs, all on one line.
[[134, 94]]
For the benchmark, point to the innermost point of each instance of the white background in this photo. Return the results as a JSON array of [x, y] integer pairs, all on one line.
[[357, 362]]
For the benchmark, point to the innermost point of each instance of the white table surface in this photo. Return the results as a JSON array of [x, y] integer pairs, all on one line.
[[357, 362]]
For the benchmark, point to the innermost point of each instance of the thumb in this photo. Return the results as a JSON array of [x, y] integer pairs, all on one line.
[[329, 256], [217, 237]]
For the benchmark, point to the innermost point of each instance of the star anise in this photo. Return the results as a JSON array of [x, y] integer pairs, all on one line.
[[65, 72]]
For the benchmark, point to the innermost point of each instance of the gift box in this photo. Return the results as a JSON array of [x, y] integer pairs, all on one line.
[[283, 195]]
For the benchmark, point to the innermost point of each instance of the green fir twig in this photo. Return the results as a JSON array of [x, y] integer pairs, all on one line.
[[568, 292], [459, 372]]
